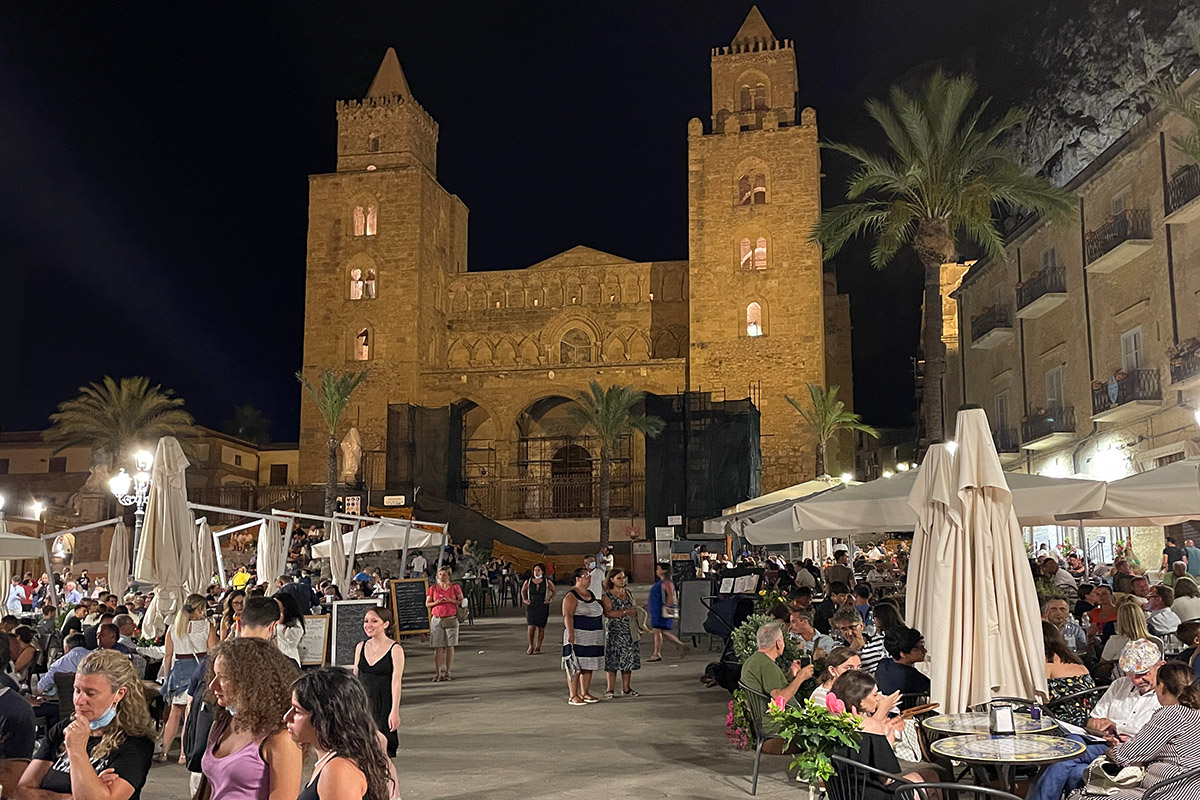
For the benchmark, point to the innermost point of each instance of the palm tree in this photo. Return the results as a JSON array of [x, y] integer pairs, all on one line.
[[250, 424], [945, 174], [827, 418], [331, 396], [112, 417], [609, 412]]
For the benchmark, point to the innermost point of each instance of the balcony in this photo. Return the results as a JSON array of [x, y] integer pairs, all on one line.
[[1118, 241], [1185, 371], [1042, 293], [1007, 446], [1183, 195], [1045, 429], [1126, 396], [991, 328]]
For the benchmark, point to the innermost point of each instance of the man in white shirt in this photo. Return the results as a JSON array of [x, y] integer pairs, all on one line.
[[597, 570], [1161, 618], [880, 576], [1121, 712], [1056, 577], [419, 565]]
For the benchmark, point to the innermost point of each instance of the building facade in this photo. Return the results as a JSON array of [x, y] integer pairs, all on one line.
[[494, 357], [1083, 344]]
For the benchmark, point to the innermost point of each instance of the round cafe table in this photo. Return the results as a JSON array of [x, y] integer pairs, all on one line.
[[982, 750], [977, 722]]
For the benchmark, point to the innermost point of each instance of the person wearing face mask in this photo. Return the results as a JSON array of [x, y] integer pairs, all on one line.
[[762, 674], [104, 750], [536, 594]]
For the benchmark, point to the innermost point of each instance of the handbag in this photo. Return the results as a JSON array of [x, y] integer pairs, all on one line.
[[571, 662], [1104, 777]]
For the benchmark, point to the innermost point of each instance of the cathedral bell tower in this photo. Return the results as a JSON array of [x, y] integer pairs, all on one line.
[[756, 289]]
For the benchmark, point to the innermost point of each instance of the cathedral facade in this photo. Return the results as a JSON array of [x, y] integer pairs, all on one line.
[[750, 313]]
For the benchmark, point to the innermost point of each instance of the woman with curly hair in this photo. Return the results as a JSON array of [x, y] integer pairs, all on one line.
[[231, 611], [249, 755], [111, 732], [329, 714]]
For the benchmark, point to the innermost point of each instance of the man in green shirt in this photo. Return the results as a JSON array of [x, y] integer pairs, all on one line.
[[761, 674]]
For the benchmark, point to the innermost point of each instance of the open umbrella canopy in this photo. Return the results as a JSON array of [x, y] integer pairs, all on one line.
[[118, 560], [882, 505], [736, 518], [168, 536], [973, 596], [382, 536], [1165, 495], [16, 546]]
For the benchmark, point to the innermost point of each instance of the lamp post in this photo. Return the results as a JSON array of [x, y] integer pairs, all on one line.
[[133, 491]]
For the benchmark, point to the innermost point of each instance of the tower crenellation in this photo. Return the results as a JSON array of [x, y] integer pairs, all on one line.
[[387, 128]]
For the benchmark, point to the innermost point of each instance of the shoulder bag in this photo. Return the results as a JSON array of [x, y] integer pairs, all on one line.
[[1104, 777]]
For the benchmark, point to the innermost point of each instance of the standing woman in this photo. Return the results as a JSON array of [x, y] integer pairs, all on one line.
[[662, 596], [111, 730], [620, 650], [231, 612], [188, 641], [328, 715], [583, 617], [290, 630], [249, 755], [443, 600], [379, 664], [536, 594]]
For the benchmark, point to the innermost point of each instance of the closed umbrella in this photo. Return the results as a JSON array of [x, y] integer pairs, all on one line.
[[973, 591], [6, 569], [118, 560], [204, 566], [269, 549], [337, 557], [164, 556]]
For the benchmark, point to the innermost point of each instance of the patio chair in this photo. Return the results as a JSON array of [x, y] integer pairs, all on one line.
[[758, 706], [1095, 693], [1160, 788], [952, 791], [851, 779]]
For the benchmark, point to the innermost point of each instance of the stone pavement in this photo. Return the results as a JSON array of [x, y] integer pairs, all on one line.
[[502, 729]]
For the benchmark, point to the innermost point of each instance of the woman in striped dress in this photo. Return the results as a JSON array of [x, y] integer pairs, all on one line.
[[583, 616]]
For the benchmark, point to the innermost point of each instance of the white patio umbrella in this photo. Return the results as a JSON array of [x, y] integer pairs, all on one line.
[[381, 536], [270, 544], [118, 560], [165, 553], [204, 565], [735, 519], [1165, 495], [974, 592]]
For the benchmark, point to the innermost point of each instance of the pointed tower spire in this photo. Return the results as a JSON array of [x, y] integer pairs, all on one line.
[[389, 80], [754, 30]]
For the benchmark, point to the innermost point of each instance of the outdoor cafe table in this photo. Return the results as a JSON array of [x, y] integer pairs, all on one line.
[[977, 722], [982, 750]]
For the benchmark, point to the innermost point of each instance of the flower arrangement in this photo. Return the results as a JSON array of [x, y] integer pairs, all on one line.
[[768, 599], [745, 644], [738, 729], [1185, 349], [816, 731]]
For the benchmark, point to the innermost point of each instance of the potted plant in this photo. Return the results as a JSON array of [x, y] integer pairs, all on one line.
[[816, 732], [744, 642]]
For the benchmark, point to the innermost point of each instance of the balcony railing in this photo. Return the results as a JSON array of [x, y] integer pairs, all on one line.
[[1183, 188], [554, 498], [1138, 384], [246, 498], [1006, 440], [1130, 224], [1185, 368], [991, 319], [1049, 280], [1044, 422]]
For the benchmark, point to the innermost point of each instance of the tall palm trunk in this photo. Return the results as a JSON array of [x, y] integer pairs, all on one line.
[[934, 246], [820, 459], [605, 491], [331, 478]]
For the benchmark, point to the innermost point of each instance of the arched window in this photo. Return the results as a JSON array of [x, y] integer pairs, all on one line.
[[360, 221], [373, 144], [369, 285], [356, 284], [747, 257], [754, 320], [372, 220], [362, 345], [760, 189], [744, 99], [745, 192], [575, 348], [760, 253], [760, 97]]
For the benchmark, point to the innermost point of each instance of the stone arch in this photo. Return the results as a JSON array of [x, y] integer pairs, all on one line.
[[477, 297], [576, 346], [506, 353], [754, 318], [459, 299], [496, 297], [614, 349], [361, 278], [753, 250], [751, 182], [363, 219], [361, 344], [459, 355], [481, 354], [665, 345], [638, 347], [528, 352], [752, 91]]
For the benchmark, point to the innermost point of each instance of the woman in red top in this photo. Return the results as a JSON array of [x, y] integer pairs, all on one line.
[[443, 600], [1105, 610]]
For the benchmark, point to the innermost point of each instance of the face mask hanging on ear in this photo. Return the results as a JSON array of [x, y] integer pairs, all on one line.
[[105, 718]]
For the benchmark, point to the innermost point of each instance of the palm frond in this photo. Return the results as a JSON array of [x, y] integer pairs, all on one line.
[[609, 413], [332, 394], [115, 416]]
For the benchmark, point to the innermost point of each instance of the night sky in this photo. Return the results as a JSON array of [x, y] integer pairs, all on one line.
[[154, 162]]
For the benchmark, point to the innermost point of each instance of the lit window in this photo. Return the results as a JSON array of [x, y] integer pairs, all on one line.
[[744, 99], [369, 285], [747, 260], [372, 220], [754, 326], [360, 220], [362, 345], [760, 253], [356, 284], [760, 97], [575, 348], [744, 191], [760, 189]]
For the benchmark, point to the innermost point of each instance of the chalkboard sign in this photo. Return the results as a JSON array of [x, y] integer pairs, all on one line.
[[408, 606], [347, 629], [314, 645]]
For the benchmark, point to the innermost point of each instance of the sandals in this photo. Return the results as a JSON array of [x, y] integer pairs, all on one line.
[[577, 701], [631, 693], [160, 758], [655, 658], [609, 695], [587, 698]]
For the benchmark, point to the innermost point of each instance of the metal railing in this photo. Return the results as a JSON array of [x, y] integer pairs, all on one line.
[[554, 498], [1138, 384], [995, 317], [1051, 279], [1047, 421], [1183, 188], [1006, 440], [245, 498], [1185, 367], [1132, 223]]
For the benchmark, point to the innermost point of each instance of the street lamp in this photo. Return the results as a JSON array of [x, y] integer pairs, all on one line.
[[133, 491]]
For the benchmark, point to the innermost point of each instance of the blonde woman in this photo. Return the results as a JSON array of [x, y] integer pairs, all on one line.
[[188, 642], [111, 733], [1130, 626]]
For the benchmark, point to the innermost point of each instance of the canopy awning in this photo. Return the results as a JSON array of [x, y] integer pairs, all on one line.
[[1165, 495], [385, 536]]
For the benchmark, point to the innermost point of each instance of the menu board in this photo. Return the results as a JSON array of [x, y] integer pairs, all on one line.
[[314, 645], [408, 606], [347, 629]]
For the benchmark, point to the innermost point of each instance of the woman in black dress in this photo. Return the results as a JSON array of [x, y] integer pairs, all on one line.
[[536, 594], [379, 665]]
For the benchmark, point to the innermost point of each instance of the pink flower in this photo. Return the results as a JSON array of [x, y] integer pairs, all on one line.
[[835, 705], [779, 701]]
